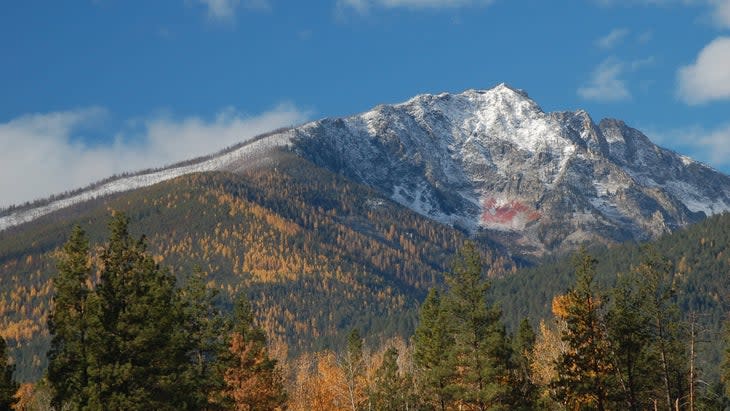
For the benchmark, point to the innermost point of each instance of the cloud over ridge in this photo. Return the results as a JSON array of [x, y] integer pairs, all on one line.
[[43, 153], [708, 78]]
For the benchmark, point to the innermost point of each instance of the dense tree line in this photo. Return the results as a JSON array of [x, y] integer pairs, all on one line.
[[626, 347], [133, 340], [126, 336]]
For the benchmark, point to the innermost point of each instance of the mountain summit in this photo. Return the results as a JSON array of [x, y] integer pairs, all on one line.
[[491, 162]]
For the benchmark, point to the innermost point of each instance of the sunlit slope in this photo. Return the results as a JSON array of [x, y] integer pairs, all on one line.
[[317, 254]]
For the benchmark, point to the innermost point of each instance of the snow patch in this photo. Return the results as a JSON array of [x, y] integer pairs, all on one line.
[[246, 153], [694, 200]]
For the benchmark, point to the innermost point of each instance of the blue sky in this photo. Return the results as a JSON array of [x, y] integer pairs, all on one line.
[[96, 87]]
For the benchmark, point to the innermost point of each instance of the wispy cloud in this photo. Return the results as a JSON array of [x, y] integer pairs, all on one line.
[[611, 3], [225, 10], [708, 78], [44, 153], [645, 37], [719, 10], [613, 38], [363, 6], [721, 13], [711, 146], [606, 83]]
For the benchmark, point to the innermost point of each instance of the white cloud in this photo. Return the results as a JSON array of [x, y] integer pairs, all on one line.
[[641, 63], [711, 146], [362, 6], [605, 83], [226, 9], [708, 78], [613, 38], [721, 13], [611, 3], [716, 145], [645, 37], [43, 153]]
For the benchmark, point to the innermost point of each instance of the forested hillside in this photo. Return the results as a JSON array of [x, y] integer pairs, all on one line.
[[700, 259], [315, 253]]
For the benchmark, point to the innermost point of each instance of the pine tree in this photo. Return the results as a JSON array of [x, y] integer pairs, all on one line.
[[629, 332], [389, 392], [353, 364], [68, 325], [204, 327], [725, 368], [139, 353], [585, 369], [431, 342], [8, 386], [480, 355], [252, 380], [666, 330], [525, 392]]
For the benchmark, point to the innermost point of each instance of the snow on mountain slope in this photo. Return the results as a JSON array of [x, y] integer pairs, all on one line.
[[233, 160], [491, 162]]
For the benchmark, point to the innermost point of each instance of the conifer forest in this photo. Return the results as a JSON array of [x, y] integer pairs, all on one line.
[[125, 333]]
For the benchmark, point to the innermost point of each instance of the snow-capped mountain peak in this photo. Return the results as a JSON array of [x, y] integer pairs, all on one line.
[[494, 163]]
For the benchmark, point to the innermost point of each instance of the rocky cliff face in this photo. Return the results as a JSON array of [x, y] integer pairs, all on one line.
[[492, 163]]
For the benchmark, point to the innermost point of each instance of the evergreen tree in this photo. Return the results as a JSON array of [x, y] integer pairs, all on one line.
[[525, 391], [353, 364], [584, 370], [139, 354], [480, 354], [205, 329], [431, 343], [390, 389], [666, 331], [252, 380], [629, 331], [725, 368], [68, 325], [8, 386]]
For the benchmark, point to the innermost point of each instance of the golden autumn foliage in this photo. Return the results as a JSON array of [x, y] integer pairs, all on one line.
[[254, 383], [299, 230], [319, 384], [559, 305], [543, 359]]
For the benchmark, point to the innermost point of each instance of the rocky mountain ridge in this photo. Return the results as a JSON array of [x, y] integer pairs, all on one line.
[[492, 163]]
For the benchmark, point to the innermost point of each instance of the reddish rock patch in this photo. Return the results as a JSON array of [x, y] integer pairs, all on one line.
[[507, 214]]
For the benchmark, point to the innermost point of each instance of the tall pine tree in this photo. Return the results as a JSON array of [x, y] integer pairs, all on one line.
[[390, 389], [584, 370], [8, 386], [629, 331], [68, 324], [666, 331], [140, 352], [431, 343], [525, 392], [205, 330], [480, 354], [353, 363]]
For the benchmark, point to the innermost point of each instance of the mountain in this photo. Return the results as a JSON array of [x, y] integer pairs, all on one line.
[[489, 162], [317, 254], [343, 223]]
